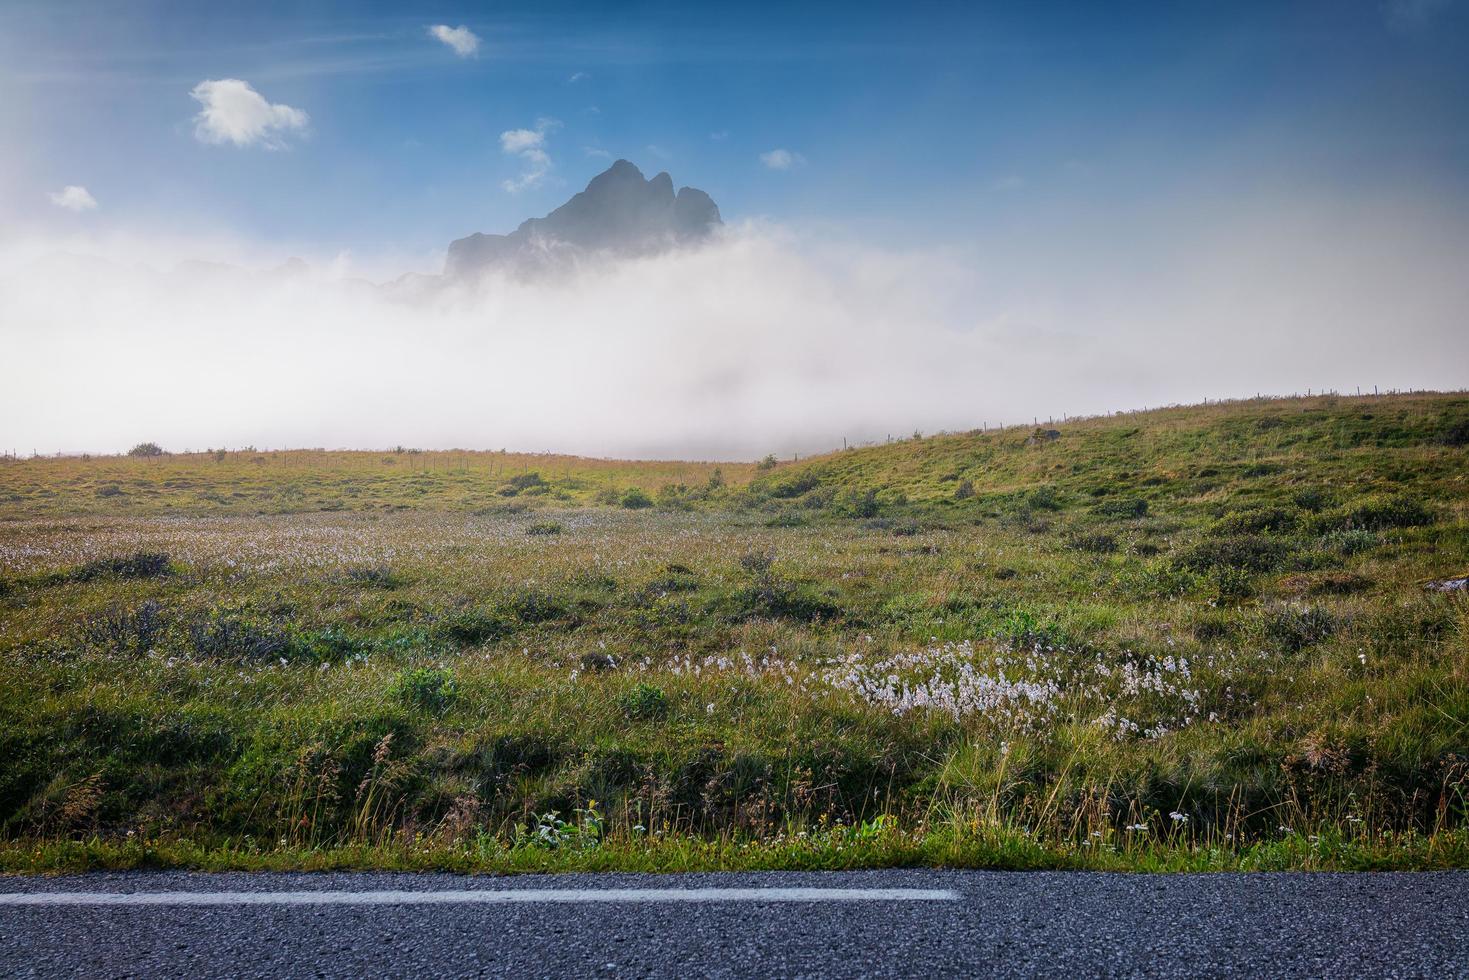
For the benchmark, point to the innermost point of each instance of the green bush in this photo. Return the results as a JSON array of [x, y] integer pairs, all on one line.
[[1256, 520], [140, 564], [427, 688], [861, 503], [544, 529], [1043, 498], [636, 499], [1293, 628], [1378, 514], [1097, 544], [1349, 542], [1247, 552], [795, 486], [1123, 507], [374, 576], [472, 628], [521, 483], [644, 703]]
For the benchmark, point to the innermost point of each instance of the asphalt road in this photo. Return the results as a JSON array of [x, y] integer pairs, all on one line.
[[926, 923]]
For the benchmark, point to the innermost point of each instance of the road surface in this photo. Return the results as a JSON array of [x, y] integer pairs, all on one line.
[[885, 923]]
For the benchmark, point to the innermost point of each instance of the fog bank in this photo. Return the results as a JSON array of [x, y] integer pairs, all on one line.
[[765, 341]]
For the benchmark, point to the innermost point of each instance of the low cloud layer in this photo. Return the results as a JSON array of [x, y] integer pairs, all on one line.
[[765, 341]]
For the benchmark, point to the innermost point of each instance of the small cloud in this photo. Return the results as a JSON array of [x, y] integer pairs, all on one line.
[[73, 197], [780, 159], [655, 150], [1009, 182], [719, 136], [464, 41], [235, 113], [596, 151], [530, 146], [578, 76], [593, 110], [1412, 15]]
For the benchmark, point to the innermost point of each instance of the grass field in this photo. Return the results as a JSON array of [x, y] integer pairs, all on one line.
[[1202, 637]]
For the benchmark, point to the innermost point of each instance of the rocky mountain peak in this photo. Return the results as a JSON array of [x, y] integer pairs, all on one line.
[[620, 213]]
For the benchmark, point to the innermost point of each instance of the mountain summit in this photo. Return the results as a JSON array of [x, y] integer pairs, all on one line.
[[620, 213]]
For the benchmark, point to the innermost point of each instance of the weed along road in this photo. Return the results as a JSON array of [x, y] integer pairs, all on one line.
[[883, 923]]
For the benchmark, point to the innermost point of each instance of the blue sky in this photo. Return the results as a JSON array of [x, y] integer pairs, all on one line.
[[941, 216], [917, 123]]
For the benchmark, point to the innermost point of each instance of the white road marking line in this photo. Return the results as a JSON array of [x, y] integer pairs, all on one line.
[[483, 896]]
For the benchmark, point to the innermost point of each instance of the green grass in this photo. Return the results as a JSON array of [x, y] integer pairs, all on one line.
[[1208, 624]]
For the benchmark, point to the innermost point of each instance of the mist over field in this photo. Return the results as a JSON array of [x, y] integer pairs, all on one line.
[[765, 339]]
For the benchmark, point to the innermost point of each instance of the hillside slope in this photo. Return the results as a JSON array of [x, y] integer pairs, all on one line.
[[1214, 636], [1180, 455]]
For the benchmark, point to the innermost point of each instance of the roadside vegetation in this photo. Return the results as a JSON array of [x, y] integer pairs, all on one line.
[[1210, 637]]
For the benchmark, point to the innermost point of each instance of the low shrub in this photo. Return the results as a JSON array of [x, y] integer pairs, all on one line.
[[1256, 520], [1096, 544], [140, 564], [861, 503], [127, 631], [636, 499], [544, 529], [1293, 628], [237, 636], [1456, 433], [472, 628], [532, 606], [522, 482], [1349, 542], [1124, 507], [1378, 514], [644, 703], [795, 486], [1043, 498], [1246, 552], [374, 576], [772, 597], [426, 688]]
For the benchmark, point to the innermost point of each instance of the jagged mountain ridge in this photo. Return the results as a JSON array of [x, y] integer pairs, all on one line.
[[619, 213]]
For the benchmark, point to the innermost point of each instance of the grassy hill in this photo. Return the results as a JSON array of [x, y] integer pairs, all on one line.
[[1195, 637]]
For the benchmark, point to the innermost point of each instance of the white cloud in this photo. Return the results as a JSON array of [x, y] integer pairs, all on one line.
[[781, 159], [1411, 15], [597, 151], [235, 113], [1009, 182], [464, 41], [719, 135], [73, 197], [530, 146], [578, 76], [655, 150]]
